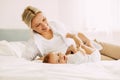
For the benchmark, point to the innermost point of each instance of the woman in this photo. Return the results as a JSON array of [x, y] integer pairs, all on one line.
[[47, 36]]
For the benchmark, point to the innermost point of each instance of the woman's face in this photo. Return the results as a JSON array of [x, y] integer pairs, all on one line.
[[57, 58], [39, 24]]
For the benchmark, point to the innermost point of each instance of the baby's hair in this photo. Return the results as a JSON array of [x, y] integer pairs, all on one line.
[[46, 59]]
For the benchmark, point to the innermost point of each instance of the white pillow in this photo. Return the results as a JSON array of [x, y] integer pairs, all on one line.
[[5, 49], [18, 47], [11, 48]]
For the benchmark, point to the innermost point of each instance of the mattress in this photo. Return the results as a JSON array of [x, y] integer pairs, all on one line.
[[14, 68]]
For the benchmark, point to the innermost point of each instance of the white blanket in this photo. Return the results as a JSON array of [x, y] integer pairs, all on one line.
[[14, 68]]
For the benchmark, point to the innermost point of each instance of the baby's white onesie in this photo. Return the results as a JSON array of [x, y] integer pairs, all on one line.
[[79, 57]]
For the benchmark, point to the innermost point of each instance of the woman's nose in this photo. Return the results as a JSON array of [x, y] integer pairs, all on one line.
[[44, 24]]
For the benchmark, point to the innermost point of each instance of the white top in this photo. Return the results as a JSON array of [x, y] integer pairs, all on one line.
[[79, 57], [56, 44]]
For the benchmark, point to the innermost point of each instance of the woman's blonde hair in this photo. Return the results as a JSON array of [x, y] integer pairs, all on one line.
[[29, 13]]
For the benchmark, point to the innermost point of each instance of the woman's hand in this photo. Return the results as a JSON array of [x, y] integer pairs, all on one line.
[[40, 58]]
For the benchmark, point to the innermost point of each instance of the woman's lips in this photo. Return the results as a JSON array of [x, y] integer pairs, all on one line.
[[45, 28]]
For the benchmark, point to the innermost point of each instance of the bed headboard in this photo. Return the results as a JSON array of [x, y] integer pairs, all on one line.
[[14, 34]]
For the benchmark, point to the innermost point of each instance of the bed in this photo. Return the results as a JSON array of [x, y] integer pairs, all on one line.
[[13, 67]]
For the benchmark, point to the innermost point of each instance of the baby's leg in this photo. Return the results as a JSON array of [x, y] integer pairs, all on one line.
[[82, 50], [85, 40], [88, 49], [77, 40]]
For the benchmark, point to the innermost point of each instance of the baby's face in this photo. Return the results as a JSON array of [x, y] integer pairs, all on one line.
[[57, 58]]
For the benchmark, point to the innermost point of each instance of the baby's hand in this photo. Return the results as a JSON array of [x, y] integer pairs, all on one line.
[[71, 50]]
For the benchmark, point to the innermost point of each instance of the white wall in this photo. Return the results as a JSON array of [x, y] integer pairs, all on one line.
[[95, 16], [11, 10], [71, 12], [66, 11], [99, 18]]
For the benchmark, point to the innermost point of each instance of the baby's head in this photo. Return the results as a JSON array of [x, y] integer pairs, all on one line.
[[55, 58]]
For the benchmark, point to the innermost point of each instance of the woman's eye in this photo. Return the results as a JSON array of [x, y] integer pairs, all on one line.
[[38, 25]]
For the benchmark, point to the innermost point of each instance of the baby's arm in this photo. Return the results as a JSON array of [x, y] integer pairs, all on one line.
[[71, 50]]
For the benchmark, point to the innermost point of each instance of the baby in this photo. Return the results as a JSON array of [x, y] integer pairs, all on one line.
[[77, 58], [55, 58], [81, 53]]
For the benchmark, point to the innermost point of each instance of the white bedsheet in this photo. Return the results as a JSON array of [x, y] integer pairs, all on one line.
[[14, 68]]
